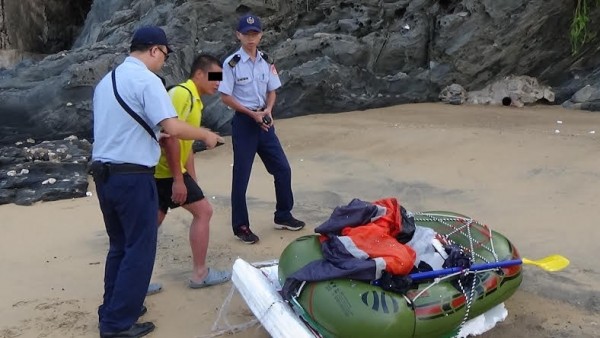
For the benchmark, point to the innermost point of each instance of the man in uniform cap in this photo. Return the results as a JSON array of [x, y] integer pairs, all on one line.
[[249, 83]]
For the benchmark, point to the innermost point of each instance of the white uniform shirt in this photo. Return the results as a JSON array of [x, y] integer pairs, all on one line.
[[118, 138], [248, 82]]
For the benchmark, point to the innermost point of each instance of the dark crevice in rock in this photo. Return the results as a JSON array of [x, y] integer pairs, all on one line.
[[52, 25], [447, 5], [4, 38], [243, 9], [63, 24]]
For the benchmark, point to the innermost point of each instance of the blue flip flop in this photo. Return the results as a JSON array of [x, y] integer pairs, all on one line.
[[214, 277]]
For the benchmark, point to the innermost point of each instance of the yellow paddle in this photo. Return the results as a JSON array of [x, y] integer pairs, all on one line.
[[550, 263]]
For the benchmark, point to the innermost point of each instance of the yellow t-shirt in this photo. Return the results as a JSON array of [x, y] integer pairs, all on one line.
[[182, 103]]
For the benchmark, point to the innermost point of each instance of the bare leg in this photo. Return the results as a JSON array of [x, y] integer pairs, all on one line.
[[156, 287], [199, 234], [161, 217]]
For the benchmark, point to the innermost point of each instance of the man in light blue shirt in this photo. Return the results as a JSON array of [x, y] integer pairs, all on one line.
[[130, 104], [249, 83]]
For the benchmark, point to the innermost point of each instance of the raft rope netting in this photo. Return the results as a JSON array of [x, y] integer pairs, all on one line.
[[219, 329], [466, 224]]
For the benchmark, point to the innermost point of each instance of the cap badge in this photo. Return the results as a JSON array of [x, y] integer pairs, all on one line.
[[250, 20]]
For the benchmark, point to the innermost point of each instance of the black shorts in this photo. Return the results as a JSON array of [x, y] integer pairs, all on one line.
[[164, 187]]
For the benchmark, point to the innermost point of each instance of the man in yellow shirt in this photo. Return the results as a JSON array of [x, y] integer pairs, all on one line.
[[175, 174]]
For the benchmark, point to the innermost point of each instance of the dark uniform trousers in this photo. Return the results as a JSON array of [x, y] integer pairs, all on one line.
[[249, 139], [129, 204]]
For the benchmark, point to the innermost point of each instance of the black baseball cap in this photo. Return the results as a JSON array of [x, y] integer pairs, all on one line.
[[150, 35]]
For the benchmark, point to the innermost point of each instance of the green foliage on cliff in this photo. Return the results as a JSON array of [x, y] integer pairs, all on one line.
[[580, 30]]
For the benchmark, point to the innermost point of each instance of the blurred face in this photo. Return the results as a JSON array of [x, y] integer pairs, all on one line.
[[208, 81], [249, 40]]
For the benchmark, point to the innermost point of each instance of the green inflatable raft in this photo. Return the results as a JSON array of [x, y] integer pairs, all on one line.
[[436, 308]]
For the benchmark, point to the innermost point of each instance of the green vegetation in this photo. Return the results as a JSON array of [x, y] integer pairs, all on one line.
[[580, 32]]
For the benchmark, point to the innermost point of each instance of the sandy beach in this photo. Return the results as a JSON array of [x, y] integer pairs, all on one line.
[[506, 167]]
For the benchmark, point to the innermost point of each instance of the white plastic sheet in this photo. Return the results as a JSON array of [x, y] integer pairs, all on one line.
[[262, 298]]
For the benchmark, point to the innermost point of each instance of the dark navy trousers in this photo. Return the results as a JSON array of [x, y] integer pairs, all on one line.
[[249, 139], [129, 204]]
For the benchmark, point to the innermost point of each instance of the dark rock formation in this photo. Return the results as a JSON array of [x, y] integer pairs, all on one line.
[[332, 55], [47, 171], [587, 98]]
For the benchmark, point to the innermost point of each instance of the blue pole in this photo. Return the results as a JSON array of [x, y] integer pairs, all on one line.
[[476, 267]]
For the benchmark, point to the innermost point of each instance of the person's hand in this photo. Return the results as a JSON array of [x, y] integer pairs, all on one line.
[[258, 116], [212, 139], [266, 120], [162, 137], [269, 116], [179, 191]]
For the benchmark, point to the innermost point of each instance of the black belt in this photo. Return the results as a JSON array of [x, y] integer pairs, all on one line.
[[128, 168], [266, 119], [255, 110], [101, 170]]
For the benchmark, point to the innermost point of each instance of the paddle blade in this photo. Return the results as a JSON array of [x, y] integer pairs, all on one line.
[[550, 263]]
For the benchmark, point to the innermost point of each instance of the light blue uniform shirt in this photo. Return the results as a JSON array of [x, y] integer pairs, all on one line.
[[249, 82], [118, 138]]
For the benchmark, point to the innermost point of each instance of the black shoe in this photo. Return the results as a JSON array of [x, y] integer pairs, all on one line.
[[142, 312], [136, 330], [290, 224], [246, 235]]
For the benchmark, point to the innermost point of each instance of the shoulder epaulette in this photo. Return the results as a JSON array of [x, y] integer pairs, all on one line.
[[234, 60], [267, 58]]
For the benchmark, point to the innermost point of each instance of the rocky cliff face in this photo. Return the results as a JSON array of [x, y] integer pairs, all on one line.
[[332, 55]]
